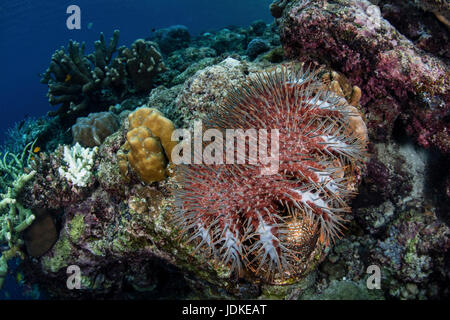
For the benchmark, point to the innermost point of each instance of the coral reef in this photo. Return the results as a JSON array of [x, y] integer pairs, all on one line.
[[296, 208], [149, 146], [258, 27], [118, 225], [14, 216], [78, 162], [47, 133], [228, 41], [256, 47], [210, 48], [119, 234], [163, 98], [40, 236], [441, 9], [91, 131], [202, 92], [422, 28], [83, 84], [391, 228], [277, 7], [399, 80]]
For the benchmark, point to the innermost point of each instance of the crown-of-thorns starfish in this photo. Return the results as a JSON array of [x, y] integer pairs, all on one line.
[[270, 224]]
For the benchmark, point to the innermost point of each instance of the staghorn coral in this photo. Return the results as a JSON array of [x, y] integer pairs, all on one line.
[[256, 47], [399, 80], [82, 84], [78, 164], [91, 131], [294, 212], [141, 64], [46, 131], [149, 145]]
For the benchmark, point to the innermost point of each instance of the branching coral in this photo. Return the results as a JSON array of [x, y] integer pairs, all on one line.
[[78, 164], [82, 84], [14, 217], [148, 145], [441, 9]]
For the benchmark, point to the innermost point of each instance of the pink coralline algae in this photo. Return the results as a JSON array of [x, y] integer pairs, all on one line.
[[398, 80], [422, 28]]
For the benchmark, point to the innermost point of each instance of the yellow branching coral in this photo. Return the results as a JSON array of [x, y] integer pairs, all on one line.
[[148, 145]]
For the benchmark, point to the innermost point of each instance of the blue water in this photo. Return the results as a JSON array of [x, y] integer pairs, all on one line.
[[31, 31]]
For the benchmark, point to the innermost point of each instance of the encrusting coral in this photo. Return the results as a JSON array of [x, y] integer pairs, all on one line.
[[12, 166], [92, 130], [292, 212], [441, 9], [82, 84], [278, 230], [277, 7], [149, 146]]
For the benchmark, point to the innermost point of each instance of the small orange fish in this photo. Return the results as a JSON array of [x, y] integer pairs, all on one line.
[[36, 150], [68, 77]]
